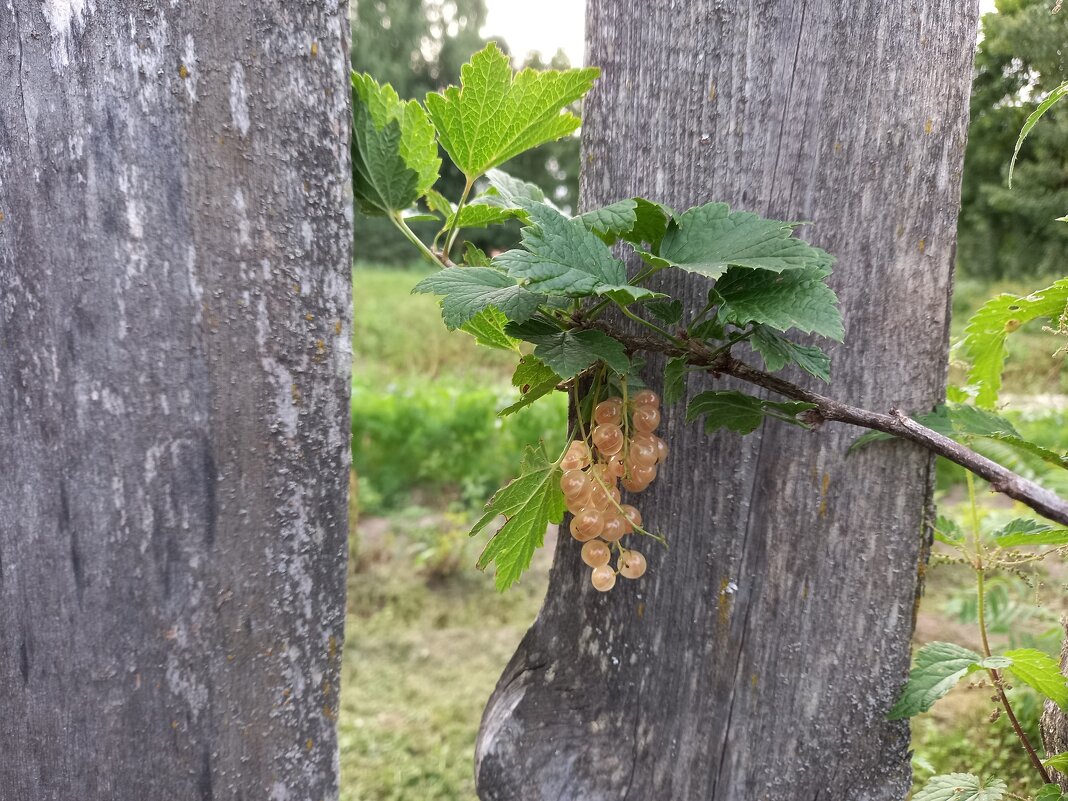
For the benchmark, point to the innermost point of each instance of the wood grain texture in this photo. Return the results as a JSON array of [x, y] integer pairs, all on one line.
[[757, 659], [175, 242], [1055, 723]]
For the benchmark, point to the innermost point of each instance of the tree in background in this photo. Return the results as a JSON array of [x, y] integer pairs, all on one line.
[[419, 47], [1006, 232]]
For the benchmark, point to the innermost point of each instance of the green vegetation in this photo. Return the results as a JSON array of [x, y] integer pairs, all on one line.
[[1013, 232], [422, 654]]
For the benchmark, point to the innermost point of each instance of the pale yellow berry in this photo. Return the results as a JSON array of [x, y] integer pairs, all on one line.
[[609, 412], [646, 397], [632, 564], [614, 528], [574, 483], [608, 439], [603, 578], [646, 419], [589, 523], [595, 553]]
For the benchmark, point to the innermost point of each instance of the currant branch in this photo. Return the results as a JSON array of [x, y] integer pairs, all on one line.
[[894, 422]]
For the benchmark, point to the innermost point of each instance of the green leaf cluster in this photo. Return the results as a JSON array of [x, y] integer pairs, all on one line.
[[541, 300], [939, 666]]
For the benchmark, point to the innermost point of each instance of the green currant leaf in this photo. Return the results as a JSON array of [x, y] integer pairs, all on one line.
[[983, 345], [961, 787], [487, 327], [797, 299], [394, 153], [1041, 672], [742, 413], [1052, 792], [711, 329], [568, 353], [668, 312], [938, 668], [468, 290], [777, 352], [494, 115], [650, 225], [534, 380], [674, 380], [529, 504], [1059, 762], [475, 257], [1025, 532], [611, 221], [708, 239], [561, 257], [478, 214], [505, 198], [435, 201]]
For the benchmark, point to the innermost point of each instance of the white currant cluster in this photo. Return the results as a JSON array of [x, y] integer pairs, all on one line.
[[623, 450]]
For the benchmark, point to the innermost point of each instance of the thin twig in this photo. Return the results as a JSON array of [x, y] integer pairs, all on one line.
[[894, 422]]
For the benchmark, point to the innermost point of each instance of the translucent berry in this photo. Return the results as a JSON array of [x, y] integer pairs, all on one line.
[[646, 397], [643, 453], [634, 517], [614, 467], [608, 439], [631, 484], [595, 553], [589, 523], [661, 449], [574, 483], [579, 502], [643, 474], [614, 528], [577, 456], [646, 419], [577, 533], [603, 578], [631, 564], [609, 412], [604, 497]]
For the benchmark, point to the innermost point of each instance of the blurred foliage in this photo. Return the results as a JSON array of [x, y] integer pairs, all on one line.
[[425, 403], [419, 46], [442, 439], [1004, 232]]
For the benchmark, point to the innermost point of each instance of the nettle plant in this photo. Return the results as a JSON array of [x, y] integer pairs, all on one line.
[[581, 322]]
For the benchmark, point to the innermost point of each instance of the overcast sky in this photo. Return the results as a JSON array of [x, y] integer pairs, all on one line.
[[549, 25]]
